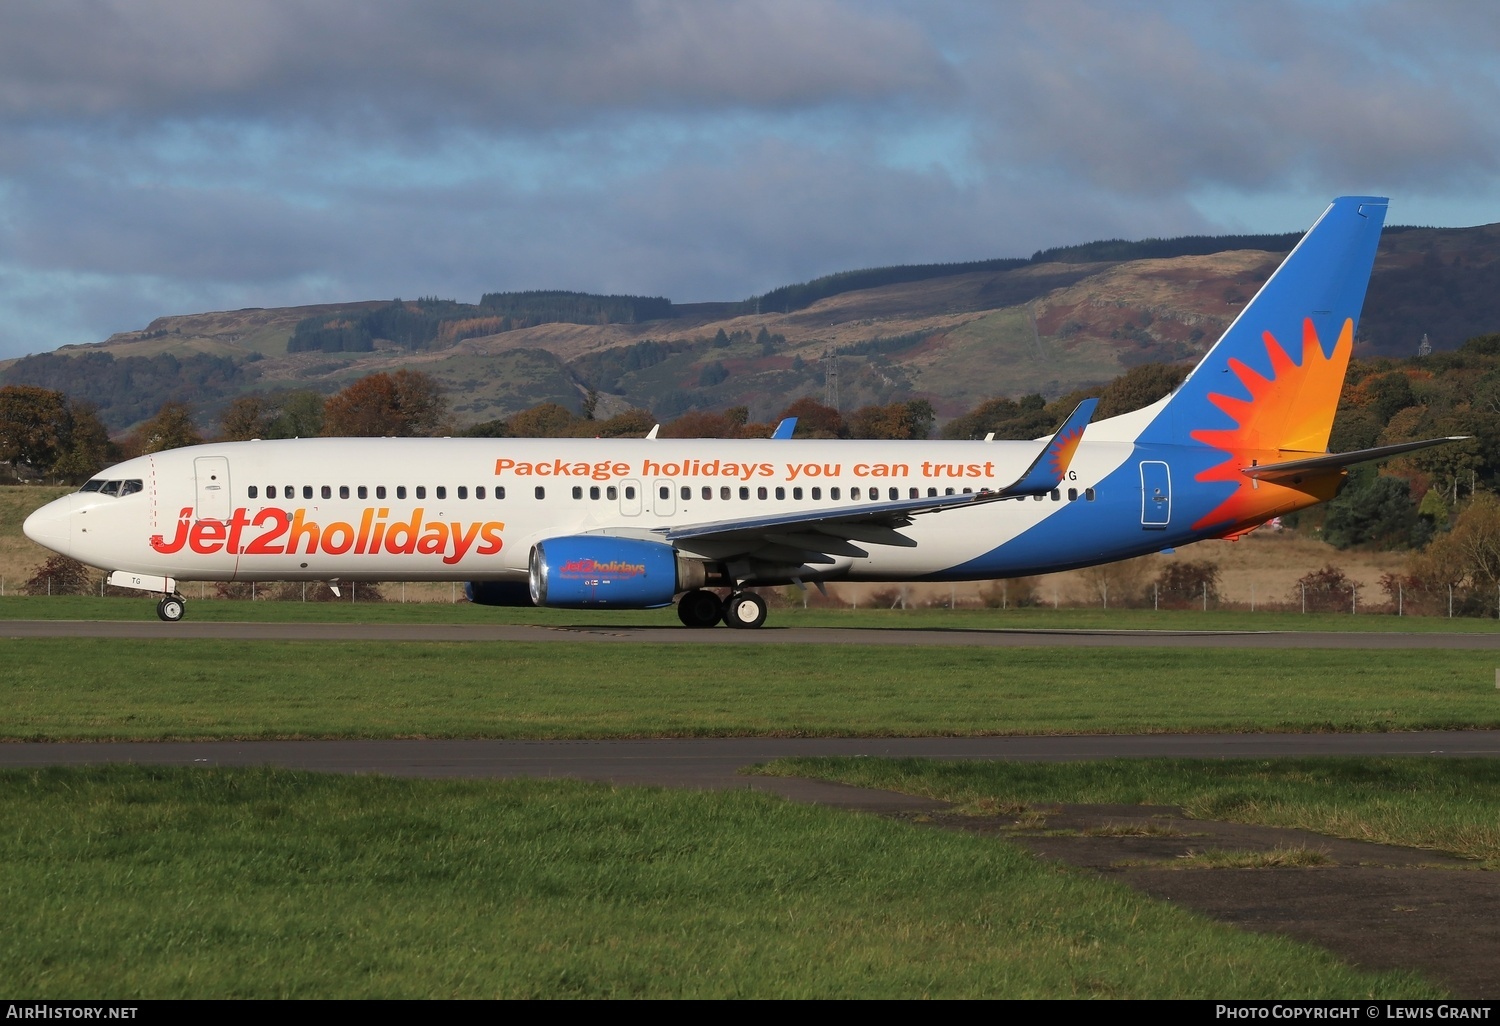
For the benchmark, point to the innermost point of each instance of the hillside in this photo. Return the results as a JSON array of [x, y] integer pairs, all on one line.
[[954, 335]]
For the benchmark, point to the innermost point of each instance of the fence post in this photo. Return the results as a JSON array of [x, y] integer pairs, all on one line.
[[1450, 601], [1005, 594], [1252, 598], [1400, 600], [1304, 599], [49, 589], [1104, 590], [1205, 596], [1155, 597], [1353, 600]]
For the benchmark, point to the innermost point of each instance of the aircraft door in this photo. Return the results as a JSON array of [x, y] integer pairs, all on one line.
[[630, 498], [214, 501], [664, 504], [1156, 494]]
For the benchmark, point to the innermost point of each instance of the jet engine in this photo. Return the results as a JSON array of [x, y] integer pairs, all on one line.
[[595, 570]]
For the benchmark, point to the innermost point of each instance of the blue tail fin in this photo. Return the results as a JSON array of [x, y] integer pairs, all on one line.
[[1272, 382]]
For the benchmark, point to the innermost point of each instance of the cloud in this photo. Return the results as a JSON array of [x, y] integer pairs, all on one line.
[[517, 65], [158, 156]]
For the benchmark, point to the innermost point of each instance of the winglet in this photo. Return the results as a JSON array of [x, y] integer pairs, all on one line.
[[654, 429], [1051, 464], [785, 428]]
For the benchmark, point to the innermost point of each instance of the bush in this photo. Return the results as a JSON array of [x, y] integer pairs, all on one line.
[[1325, 591], [1013, 593], [1182, 583], [61, 576]]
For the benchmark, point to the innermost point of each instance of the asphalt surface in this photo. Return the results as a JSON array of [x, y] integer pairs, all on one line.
[[188, 629], [715, 763]]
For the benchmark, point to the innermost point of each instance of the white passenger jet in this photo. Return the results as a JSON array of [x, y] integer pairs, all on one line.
[[639, 523]]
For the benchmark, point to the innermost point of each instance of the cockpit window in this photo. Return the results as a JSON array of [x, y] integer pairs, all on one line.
[[115, 488]]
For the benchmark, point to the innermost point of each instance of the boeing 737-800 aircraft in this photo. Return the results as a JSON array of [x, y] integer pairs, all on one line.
[[639, 523]]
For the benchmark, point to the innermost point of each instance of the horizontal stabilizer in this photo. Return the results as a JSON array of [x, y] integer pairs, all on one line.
[[1339, 460]]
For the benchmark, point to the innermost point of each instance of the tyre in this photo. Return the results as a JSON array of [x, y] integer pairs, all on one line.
[[171, 609], [699, 608], [746, 610]]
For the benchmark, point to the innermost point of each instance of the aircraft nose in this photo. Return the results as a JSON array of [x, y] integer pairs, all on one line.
[[52, 525]]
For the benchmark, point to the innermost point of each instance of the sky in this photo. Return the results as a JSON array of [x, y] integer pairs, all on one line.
[[178, 156]]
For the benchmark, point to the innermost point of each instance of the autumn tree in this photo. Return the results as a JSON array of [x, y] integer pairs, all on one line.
[[403, 404], [248, 417], [35, 427], [546, 420], [898, 420], [814, 420], [171, 428]]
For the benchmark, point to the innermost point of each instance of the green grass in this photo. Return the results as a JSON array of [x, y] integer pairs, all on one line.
[[139, 689], [156, 883], [98, 689], [220, 611], [1447, 805]]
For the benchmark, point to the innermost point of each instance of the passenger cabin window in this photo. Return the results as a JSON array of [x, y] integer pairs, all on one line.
[[421, 491], [401, 491], [708, 493], [687, 493], [629, 491], [499, 492], [854, 493], [541, 493], [380, 491], [833, 493], [270, 491], [1088, 494], [744, 492], [780, 493], [463, 491], [441, 492], [594, 492], [895, 494], [797, 493], [760, 493], [817, 493], [479, 491], [578, 491], [364, 493], [307, 491], [251, 492], [724, 492], [343, 491], [610, 493], [663, 492], [327, 492]]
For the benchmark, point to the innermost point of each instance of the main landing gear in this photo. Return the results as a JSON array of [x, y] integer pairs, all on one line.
[[699, 608], [171, 608]]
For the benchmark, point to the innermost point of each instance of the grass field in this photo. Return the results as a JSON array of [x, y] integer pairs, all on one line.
[[1448, 805], [354, 611], [150, 689], [141, 883]]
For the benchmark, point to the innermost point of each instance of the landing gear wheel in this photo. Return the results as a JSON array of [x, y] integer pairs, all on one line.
[[745, 609], [699, 608], [171, 609]]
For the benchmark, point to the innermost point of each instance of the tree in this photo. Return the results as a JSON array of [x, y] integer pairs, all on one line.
[[35, 427], [301, 416], [171, 428], [546, 420], [814, 420], [403, 405], [1138, 387], [89, 448], [247, 417], [700, 424]]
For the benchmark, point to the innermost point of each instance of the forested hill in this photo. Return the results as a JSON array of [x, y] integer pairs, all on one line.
[[952, 334]]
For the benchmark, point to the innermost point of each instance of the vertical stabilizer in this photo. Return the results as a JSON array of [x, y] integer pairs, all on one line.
[[1272, 382]]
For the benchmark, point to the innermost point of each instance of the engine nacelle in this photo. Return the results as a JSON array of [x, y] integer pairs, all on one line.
[[594, 570], [499, 593]]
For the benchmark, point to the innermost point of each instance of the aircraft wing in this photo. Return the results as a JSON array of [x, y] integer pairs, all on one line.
[[1339, 460], [815, 535]]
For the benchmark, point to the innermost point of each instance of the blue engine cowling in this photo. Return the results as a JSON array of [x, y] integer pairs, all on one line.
[[587, 570], [499, 593]]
